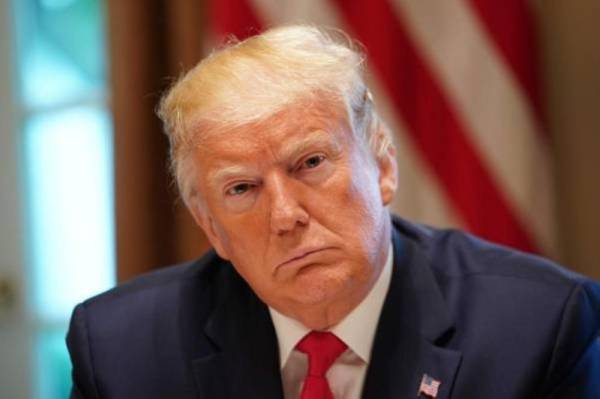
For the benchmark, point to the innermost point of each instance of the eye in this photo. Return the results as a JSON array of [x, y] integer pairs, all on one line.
[[313, 161], [238, 189]]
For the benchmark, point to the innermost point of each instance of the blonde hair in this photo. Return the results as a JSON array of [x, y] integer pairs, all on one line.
[[249, 81]]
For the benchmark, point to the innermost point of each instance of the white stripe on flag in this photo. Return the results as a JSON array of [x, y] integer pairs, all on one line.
[[491, 104]]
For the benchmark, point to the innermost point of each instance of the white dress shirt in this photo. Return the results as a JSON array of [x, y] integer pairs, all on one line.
[[347, 374]]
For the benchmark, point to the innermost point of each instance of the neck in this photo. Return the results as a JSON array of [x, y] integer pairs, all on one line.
[[326, 317]]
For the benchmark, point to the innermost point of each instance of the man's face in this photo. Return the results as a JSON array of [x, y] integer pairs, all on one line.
[[297, 207]]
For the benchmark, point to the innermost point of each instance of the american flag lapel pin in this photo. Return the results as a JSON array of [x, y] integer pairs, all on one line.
[[429, 386]]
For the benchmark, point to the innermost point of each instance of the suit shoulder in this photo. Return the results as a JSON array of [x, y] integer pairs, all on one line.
[[144, 322], [456, 254], [200, 271]]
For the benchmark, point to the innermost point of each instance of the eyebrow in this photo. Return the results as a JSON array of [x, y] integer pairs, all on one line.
[[223, 174], [315, 139]]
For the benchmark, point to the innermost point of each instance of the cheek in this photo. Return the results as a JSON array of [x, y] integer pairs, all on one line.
[[362, 195], [364, 218], [245, 242], [352, 195], [244, 260], [240, 232]]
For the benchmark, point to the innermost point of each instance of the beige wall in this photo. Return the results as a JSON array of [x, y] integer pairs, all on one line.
[[570, 37]]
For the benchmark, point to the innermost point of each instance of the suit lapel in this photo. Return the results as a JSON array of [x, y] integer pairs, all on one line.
[[413, 327], [244, 362]]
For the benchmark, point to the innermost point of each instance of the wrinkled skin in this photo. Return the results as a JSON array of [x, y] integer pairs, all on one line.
[[298, 207]]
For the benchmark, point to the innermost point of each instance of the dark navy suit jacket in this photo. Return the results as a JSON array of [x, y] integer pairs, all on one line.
[[485, 321]]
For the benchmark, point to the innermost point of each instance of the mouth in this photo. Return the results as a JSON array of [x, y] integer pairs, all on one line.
[[301, 256]]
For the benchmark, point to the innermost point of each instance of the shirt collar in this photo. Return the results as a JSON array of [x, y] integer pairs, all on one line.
[[357, 329]]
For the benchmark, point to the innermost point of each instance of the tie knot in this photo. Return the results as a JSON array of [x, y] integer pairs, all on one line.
[[322, 349]]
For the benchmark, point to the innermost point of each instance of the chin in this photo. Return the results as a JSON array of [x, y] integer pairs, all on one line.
[[320, 287]]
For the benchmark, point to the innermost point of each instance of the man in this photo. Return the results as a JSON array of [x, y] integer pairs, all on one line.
[[313, 290]]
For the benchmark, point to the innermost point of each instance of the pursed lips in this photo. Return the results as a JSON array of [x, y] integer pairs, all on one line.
[[301, 254]]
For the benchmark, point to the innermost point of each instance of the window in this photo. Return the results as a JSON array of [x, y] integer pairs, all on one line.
[[65, 138]]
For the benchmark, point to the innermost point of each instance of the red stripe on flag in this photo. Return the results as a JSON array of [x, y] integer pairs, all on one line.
[[510, 24], [433, 124], [233, 17]]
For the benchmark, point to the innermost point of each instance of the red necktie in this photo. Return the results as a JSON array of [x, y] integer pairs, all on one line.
[[322, 349]]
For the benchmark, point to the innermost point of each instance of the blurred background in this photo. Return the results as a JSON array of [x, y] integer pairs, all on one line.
[[494, 106]]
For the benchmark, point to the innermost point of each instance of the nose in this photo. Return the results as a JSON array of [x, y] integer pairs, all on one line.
[[286, 211]]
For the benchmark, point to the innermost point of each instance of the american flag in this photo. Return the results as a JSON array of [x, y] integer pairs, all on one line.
[[429, 387], [457, 81]]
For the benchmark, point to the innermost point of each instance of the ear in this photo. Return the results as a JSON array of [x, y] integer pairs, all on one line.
[[388, 175], [205, 221]]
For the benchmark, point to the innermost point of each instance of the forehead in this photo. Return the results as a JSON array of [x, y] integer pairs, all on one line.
[[302, 125]]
